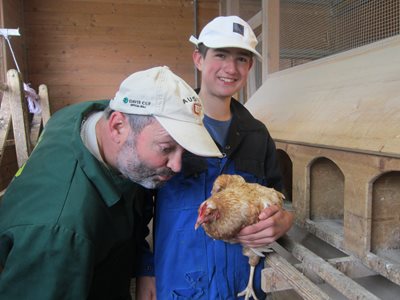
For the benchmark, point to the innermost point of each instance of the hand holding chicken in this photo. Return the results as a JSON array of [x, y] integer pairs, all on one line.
[[233, 205]]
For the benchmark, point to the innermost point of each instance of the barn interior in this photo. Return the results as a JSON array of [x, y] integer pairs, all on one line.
[[327, 88]]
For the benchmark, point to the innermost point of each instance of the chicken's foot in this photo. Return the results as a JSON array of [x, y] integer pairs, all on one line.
[[249, 291]]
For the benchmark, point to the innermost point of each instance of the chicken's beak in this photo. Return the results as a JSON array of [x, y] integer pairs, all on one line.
[[198, 223]]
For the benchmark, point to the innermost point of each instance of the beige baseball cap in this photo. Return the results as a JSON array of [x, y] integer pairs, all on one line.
[[160, 93], [228, 32]]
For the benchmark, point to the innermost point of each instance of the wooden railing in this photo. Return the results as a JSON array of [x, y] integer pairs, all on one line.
[[14, 116]]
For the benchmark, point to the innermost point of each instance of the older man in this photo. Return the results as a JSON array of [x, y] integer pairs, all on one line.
[[71, 220]]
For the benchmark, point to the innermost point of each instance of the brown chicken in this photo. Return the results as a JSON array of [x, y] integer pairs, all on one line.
[[235, 204]]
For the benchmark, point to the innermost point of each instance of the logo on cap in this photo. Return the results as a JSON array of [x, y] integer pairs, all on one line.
[[238, 28], [197, 108]]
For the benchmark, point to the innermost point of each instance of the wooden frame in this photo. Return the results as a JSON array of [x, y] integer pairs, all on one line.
[[14, 116]]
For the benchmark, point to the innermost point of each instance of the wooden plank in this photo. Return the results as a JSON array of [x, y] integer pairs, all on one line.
[[73, 44], [300, 283], [347, 101], [8, 165], [338, 280], [273, 281], [19, 116], [255, 21], [35, 128], [45, 104], [5, 124], [270, 37], [127, 7], [351, 266], [39, 120], [383, 266]]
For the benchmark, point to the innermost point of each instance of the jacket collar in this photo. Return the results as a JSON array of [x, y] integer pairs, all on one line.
[[242, 124]]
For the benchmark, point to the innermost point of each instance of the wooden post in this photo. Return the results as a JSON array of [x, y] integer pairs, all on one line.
[[44, 102], [19, 116], [40, 120], [5, 121], [270, 39]]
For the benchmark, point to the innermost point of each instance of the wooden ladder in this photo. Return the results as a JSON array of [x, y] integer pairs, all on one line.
[[14, 114]]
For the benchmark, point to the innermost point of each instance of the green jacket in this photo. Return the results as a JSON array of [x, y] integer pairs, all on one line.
[[68, 225]]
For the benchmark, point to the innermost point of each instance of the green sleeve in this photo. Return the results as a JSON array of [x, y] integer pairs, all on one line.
[[44, 262]]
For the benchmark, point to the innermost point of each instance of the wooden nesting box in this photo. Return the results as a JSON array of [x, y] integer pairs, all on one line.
[[336, 123]]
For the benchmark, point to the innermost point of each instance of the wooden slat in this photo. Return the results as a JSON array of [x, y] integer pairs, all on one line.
[[5, 124], [273, 281], [338, 280], [19, 117], [35, 129], [299, 282], [44, 102], [270, 42], [383, 266], [40, 120]]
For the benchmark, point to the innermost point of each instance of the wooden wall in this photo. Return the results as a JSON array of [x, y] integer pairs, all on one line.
[[83, 49], [10, 17]]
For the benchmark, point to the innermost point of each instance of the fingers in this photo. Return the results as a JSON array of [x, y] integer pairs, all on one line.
[[269, 211], [274, 222]]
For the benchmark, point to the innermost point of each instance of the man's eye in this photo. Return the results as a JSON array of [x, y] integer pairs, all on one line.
[[165, 149]]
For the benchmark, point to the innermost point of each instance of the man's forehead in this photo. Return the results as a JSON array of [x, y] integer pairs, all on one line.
[[158, 133]]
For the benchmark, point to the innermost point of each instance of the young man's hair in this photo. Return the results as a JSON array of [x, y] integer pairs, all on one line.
[[202, 49]]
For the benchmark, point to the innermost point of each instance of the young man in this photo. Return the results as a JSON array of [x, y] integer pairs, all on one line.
[[187, 263], [71, 220]]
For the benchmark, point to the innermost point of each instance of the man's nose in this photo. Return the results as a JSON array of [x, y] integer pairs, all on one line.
[[230, 65], [175, 161]]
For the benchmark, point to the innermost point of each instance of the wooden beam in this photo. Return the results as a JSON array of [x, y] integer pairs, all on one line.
[[35, 129], [273, 281], [383, 266], [255, 21], [229, 7], [45, 104], [5, 123], [19, 116], [270, 39], [299, 282], [338, 280]]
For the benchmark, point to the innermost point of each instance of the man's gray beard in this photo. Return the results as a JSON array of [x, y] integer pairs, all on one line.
[[134, 169]]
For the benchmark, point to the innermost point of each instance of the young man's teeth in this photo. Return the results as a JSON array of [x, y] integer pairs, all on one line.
[[227, 79]]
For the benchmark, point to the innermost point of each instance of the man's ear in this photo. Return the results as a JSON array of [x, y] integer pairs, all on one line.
[[251, 62], [119, 127], [197, 59]]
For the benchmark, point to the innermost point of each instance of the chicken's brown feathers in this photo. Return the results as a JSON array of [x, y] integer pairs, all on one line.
[[238, 205]]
